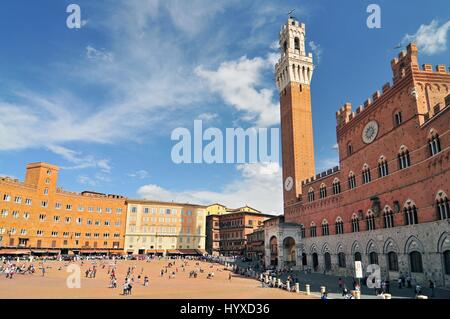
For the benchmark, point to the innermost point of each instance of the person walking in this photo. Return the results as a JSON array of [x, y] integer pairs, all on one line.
[[432, 285]]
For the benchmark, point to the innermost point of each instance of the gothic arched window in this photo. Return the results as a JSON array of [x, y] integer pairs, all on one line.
[[297, 43], [410, 211]]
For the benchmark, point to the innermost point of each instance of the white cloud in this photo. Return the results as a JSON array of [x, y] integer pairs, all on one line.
[[207, 117], [80, 161], [93, 181], [430, 38], [141, 174], [238, 83], [317, 51], [260, 187], [94, 54]]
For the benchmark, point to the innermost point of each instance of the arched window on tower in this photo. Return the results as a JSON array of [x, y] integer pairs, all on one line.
[[285, 47], [434, 144], [349, 149], [410, 211], [398, 118], [442, 206], [297, 44], [383, 168]]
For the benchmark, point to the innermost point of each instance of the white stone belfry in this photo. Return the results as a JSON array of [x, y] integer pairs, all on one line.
[[294, 65]]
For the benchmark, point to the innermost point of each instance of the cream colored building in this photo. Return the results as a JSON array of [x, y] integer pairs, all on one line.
[[155, 227]]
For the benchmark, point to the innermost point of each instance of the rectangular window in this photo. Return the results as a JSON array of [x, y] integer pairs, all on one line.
[[18, 200], [57, 205], [6, 198], [68, 207], [28, 202]]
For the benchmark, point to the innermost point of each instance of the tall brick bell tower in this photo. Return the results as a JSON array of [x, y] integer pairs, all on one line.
[[294, 72]]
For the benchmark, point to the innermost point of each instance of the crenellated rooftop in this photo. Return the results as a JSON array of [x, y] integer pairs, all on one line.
[[320, 176], [404, 64]]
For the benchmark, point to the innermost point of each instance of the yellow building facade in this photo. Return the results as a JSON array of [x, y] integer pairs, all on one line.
[[155, 227]]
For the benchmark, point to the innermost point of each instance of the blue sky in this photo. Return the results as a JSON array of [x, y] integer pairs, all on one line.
[[101, 102]]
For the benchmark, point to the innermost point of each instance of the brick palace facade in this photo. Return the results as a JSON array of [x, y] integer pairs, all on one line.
[[387, 202]]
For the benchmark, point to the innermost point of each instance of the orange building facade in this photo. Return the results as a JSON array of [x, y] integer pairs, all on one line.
[[38, 217]]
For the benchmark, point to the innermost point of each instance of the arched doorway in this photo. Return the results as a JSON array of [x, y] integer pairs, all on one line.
[[273, 251], [304, 260], [327, 258], [315, 259], [289, 252]]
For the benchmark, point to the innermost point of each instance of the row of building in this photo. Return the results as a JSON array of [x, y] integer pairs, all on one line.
[[37, 217]]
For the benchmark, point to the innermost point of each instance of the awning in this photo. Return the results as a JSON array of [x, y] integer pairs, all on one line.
[[37, 251], [201, 251], [14, 252], [153, 251], [173, 251], [54, 251], [188, 252]]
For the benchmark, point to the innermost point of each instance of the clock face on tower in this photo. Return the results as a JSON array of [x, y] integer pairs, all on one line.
[[370, 132], [288, 184]]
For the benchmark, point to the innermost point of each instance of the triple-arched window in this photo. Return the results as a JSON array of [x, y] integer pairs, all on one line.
[[388, 216], [339, 226], [404, 160], [370, 220], [351, 180], [442, 206], [336, 186], [311, 195], [434, 144], [323, 191], [383, 168], [325, 228], [410, 211], [355, 223], [366, 177]]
